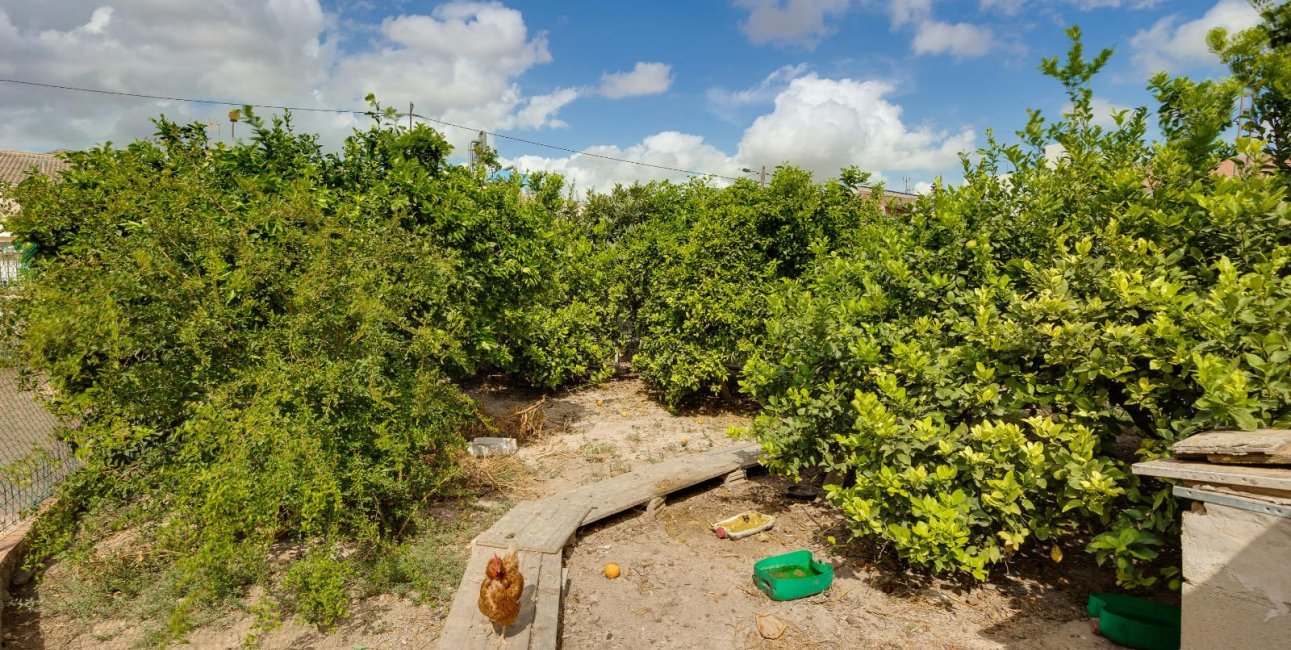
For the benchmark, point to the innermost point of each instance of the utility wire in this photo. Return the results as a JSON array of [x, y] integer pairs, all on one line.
[[345, 111], [178, 99], [356, 112], [576, 151]]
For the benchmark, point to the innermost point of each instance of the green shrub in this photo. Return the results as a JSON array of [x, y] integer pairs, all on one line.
[[258, 341], [989, 366], [317, 583], [694, 264]]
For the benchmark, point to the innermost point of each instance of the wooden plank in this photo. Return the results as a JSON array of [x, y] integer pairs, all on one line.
[[543, 526], [500, 534], [1262, 446], [457, 627], [635, 488], [519, 633], [467, 628], [545, 633], [1272, 478]]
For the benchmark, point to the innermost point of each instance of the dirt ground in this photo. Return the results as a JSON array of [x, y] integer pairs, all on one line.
[[681, 587]]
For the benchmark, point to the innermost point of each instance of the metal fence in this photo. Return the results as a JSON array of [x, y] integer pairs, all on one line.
[[32, 460], [9, 261]]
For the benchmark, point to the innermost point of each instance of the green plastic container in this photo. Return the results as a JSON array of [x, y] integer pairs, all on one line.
[[1135, 622], [792, 575]]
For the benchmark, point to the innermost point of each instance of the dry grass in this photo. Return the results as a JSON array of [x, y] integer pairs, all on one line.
[[527, 423], [504, 475]]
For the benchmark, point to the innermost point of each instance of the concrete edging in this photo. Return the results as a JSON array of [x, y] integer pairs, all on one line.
[[13, 543]]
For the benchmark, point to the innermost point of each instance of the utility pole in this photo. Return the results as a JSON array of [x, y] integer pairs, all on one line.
[[477, 146], [409, 116], [762, 178]]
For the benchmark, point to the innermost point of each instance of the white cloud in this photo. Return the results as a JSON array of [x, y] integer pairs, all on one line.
[[540, 109], [644, 79], [1006, 7], [666, 149], [908, 11], [460, 63], [1171, 45], [820, 124], [1087, 5], [963, 40], [726, 104], [799, 23], [827, 124], [1103, 111]]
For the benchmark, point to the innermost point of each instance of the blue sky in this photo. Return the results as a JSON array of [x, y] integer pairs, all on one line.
[[895, 87]]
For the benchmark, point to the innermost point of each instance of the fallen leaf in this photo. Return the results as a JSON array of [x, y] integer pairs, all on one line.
[[770, 627]]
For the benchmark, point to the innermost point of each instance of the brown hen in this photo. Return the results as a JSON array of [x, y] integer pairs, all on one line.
[[501, 589]]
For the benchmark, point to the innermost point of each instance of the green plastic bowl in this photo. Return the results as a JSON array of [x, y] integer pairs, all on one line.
[[1136, 622], [792, 575]]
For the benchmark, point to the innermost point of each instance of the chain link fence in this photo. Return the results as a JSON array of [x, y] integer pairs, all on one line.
[[32, 460]]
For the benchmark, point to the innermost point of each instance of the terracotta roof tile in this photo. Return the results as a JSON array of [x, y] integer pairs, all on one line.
[[15, 165]]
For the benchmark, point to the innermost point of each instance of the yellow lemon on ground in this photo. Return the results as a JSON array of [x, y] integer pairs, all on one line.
[[612, 570]]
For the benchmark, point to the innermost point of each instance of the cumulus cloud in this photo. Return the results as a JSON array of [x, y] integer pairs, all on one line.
[[1171, 45], [820, 124], [1006, 7], [801, 23], [1012, 7], [931, 36], [540, 110], [1087, 5], [827, 124], [727, 104], [666, 149], [961, 40], [1104, 111], [460, 63], [643, 79], [909, 11]]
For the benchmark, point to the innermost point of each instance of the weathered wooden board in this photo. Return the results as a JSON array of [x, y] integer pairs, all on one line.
[[543, 526], [467, 628], [461, 616], [1259, 447], [548, 604], [540, 529], [1271, 478], [629, 490]]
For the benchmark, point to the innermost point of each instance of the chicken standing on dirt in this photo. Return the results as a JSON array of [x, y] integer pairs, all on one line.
[[501, 589]]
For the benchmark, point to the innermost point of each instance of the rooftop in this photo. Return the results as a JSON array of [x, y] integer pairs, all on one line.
[[16, 165]]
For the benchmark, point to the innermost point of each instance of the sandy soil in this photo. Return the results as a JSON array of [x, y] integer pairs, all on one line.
[[681, 587]]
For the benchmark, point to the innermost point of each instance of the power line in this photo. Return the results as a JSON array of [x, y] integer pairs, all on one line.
[[356, 112], [178, 99], [576, 151], [345, 111]]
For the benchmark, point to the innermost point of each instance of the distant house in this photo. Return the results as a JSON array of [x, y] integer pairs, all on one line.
[[16, 166], [892, 201]]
